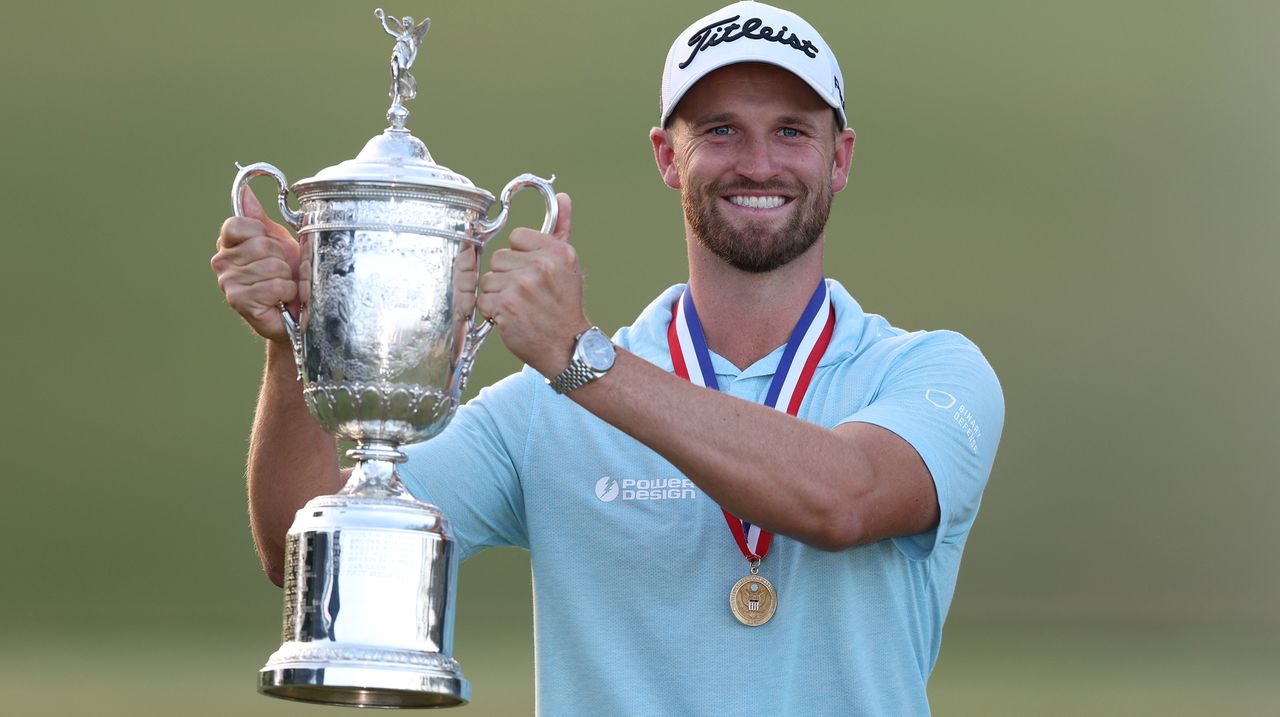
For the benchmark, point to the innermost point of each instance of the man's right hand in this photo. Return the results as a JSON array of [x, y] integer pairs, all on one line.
[[257, 268]]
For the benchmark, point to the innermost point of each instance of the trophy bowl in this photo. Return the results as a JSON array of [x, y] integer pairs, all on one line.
[[384, 342]]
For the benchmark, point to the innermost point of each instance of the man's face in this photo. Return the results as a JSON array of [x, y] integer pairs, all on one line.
[[756, 156]]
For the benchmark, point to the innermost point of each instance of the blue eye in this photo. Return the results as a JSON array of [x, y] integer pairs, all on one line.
[[790, 132], [721, 131]]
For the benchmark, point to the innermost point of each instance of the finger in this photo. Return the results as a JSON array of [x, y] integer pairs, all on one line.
[[244, 287], [491, 284], [260, 301], [255, 249], [487, 305], [524, 239], [236, 230], [507, 260], [561, 229], [266, 292], [266, 268]]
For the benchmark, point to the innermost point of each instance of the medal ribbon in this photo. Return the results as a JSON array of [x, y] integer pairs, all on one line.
[[809, 340]]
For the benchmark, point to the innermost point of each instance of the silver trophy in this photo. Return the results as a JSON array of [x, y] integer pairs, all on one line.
[[384, 342]]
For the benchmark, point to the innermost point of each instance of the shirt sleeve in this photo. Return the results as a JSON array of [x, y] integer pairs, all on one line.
[[471, 470], [942, 397]]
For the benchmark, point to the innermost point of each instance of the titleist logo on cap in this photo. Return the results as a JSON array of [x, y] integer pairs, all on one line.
[[730, 30]]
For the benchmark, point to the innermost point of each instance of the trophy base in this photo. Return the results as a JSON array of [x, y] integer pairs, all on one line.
[[365, 686], [375, 567]]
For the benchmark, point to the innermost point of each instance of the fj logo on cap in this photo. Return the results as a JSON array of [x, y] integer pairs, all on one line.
[[753, 29]]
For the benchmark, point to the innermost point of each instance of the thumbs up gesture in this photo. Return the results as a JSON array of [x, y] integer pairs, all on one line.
[[533, 294], [257, 268]]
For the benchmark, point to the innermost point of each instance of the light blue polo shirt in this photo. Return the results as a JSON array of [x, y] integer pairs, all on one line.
[[632, 564]]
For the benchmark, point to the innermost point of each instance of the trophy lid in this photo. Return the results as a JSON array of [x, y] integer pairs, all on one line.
[[396, 156]]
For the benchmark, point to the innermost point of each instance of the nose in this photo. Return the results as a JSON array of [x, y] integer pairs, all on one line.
[[755, 159]]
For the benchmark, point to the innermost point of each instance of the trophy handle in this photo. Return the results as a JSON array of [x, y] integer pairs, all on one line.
[[524, 181], [478, 332], [293, 218], [470, 347]]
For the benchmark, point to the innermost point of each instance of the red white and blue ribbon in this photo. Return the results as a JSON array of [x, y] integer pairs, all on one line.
[[809, 340]]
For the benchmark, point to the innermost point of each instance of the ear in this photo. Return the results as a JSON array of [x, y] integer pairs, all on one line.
[[664, 153], [843, 160]]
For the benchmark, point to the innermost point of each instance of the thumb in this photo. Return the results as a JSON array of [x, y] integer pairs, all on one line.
[[253, 210], [251, 206], [563, 217]]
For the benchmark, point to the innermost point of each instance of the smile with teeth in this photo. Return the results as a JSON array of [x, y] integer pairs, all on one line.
[[752, 202]]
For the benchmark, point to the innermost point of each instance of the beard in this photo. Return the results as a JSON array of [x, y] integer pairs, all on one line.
[[754, 248]]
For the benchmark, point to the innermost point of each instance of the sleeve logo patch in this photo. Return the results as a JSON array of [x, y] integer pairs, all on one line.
[[962, 417], [941, 399]]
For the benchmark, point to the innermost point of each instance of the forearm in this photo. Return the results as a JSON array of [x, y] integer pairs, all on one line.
[[790, 476], [828, 487], [291, 459]]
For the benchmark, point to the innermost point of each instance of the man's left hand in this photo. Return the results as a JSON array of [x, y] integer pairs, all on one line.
[[533, 293]]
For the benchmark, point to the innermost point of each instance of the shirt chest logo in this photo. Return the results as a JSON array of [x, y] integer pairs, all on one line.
[[609, 489]]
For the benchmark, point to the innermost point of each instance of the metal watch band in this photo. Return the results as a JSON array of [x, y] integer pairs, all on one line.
[[582, 369], [577, 374]]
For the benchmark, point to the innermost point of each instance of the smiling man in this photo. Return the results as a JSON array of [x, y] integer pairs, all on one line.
[[777, 178], [754, 499]]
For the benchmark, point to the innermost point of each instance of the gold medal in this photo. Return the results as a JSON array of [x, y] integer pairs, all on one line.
[[753, 600]]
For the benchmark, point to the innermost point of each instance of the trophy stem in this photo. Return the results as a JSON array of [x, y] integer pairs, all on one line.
[[375, 474]]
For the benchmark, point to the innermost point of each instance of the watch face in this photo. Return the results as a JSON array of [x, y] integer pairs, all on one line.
[[597, 350]]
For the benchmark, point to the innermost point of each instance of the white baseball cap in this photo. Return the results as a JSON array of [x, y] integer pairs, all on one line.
[[751, 32]]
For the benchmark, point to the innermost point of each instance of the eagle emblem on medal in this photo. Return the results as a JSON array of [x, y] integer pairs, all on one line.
[[753, 600]]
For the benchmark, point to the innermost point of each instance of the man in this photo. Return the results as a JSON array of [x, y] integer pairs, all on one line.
[[643, 496]]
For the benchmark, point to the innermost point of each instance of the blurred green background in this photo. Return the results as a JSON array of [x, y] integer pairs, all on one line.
[[1087, 189]]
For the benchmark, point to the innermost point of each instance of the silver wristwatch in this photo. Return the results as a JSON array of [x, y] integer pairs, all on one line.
[[593, 356]]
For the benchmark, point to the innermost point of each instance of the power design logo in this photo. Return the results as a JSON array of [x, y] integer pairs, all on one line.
[[607, 489]]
